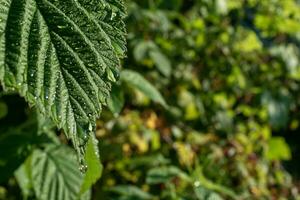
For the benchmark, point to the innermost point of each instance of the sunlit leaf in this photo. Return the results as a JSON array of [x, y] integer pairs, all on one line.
[[62, 56]]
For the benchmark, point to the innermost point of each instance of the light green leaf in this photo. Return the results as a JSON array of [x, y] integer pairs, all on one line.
[[22, 175], [165, 174], [116, 101], [94, 167], [130, 192], [278, 149], [137, 81], [62, 56], [161, 61], [54, 174]]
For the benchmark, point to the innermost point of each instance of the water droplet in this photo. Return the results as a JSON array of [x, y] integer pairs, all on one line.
[[83, 168], [196, 183], [113, 15], [90, 127]]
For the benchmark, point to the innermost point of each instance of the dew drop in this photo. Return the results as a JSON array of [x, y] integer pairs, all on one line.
[[83, 168], [85, 137], [113, 15], [197, 184], [90, 127]]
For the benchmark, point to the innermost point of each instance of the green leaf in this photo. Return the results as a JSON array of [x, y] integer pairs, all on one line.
[[161, 61], [148, 161], [62, 56], [165, 174], [3, 110], [137, 81], [140, 50], [116, 101], [205, 194], [15, 149], [94, 167], [54, 173], [130, 192], [22, 175], [278, 149]]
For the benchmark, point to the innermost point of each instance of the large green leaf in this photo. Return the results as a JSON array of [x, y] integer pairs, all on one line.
[[62, 56], [54, 174]]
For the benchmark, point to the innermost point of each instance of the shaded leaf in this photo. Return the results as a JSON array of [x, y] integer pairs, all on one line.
[[54, 173], [161, 61]]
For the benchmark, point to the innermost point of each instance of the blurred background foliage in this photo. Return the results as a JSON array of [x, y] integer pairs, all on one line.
[[207, 106]]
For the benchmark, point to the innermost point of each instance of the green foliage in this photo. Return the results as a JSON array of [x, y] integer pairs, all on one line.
[[278, 149], [94, 167], [61, 179], [137, 81], [62, 57], [206, 108]]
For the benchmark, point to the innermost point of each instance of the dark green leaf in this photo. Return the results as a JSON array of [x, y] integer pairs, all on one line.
[[62, 56]]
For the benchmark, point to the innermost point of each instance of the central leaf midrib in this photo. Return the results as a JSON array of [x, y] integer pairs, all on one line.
[[83, 65], [87, 40]]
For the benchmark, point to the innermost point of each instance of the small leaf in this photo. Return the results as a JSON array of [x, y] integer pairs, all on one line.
[[131, 192], [137, 81], [94, 167], [14, 150], [206, 194], [142, 48], [278, 149], [161, 61], [165, 174], [116, 101]]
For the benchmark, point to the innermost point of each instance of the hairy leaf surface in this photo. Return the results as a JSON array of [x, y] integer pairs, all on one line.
[[54, 174], [62, 56]]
